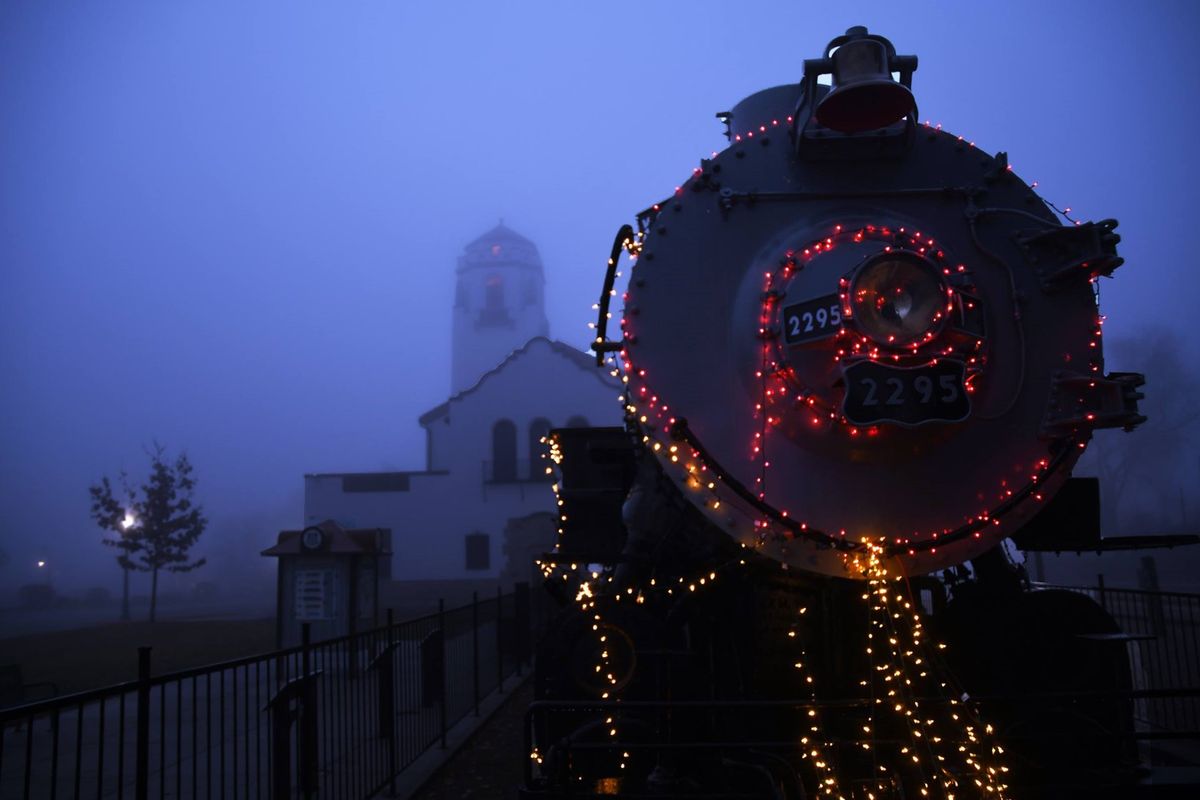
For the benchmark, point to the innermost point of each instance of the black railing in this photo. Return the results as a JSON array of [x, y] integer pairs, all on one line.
[[340, 718], [1164, 650]]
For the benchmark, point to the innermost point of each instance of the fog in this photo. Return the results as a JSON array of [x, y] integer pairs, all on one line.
[[232, 230]]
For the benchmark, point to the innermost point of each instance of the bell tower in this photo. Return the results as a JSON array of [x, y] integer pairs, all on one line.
[[499, 303]]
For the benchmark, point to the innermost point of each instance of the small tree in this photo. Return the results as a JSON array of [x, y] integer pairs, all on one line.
[[153, 529], [116, 517], [1144, 468]]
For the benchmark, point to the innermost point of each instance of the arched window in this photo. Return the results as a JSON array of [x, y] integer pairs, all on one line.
[[494, 294], [577, 422], [537, 465], [504, 451], [494, 311]]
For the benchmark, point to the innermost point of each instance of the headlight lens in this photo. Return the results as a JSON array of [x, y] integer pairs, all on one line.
[[897, 298]]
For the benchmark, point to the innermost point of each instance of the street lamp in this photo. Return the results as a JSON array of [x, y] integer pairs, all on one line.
[[126, 524]]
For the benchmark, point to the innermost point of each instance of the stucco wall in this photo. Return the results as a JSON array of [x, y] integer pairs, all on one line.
[[430, 521]]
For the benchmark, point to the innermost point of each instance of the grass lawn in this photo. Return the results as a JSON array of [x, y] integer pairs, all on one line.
[[105, 654]]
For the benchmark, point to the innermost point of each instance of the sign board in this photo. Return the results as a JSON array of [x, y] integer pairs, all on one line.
[[316, 594]]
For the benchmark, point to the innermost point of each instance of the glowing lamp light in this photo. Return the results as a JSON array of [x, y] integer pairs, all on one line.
[[896, 297]]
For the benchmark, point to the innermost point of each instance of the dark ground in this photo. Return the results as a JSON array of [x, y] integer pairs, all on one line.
[[87, 658], [490, 764]]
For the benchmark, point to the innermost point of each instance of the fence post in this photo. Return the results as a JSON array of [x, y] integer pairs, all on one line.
[[384, 664], [393, 751], [1100, 589], [475, 648], [307, 734], [279, 756], [305, 648], [1147, 578], [442, 700], [141, 790], [499, 642]]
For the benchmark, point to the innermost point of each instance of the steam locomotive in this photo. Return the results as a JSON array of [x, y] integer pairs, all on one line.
[[858, 354]]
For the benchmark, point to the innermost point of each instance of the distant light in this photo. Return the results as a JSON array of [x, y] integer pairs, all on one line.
[[129, 521], [41, 563]]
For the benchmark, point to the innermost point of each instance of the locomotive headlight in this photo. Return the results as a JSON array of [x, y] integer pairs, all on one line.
[[897, 298]]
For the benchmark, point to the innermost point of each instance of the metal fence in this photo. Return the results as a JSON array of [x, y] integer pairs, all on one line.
[[340, 718], [1164, 653]]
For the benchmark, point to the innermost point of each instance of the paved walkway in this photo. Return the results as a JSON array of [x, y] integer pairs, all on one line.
[[490, 764]]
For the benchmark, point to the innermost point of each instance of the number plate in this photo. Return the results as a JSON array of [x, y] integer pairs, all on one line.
[[812, 319], [879, 393]]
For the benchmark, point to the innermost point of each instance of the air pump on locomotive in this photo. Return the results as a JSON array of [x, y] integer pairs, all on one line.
[[857, 354]]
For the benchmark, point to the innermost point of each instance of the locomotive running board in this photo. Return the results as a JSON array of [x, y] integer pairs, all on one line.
[[1070, 523]]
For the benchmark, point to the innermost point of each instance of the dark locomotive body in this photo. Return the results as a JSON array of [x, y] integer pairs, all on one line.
[[717, 623], [710, 702]]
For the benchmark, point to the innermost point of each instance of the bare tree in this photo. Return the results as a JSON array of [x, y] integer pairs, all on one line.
[[1145, 465], [155, 527], [116, 517]]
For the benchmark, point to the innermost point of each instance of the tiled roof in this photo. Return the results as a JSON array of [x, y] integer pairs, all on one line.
[[350, 541], [500, 233], [576, 357]]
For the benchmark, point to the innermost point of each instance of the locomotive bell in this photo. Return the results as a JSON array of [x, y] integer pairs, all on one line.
[[864, 95]]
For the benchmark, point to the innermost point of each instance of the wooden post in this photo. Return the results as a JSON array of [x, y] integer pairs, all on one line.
[[475, 648], [141, 790], [442, 699], [499, 642]]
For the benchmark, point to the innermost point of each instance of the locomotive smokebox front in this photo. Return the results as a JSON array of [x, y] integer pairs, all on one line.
[[851, 327]]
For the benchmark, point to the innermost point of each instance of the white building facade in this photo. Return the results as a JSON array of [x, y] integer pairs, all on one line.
[[484, 462]]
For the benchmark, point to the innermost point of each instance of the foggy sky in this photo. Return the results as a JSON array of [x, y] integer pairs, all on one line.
[[234, 229]]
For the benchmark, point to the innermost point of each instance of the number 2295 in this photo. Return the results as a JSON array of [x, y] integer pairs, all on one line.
[[897, 390], [814, 321]]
